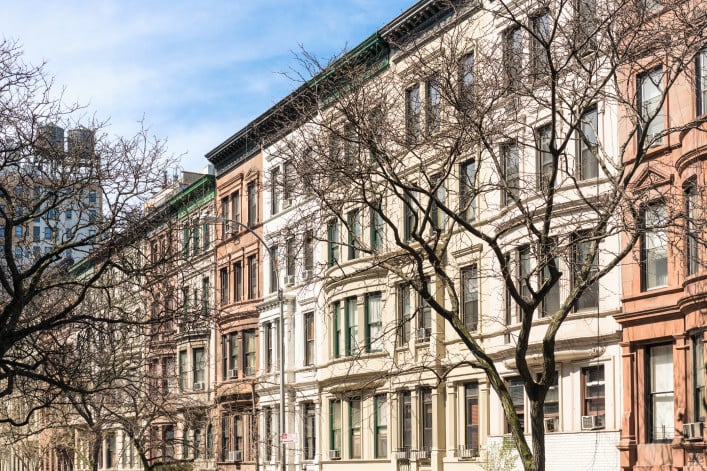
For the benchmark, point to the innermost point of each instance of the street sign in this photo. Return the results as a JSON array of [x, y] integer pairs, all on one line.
[[288, 438]]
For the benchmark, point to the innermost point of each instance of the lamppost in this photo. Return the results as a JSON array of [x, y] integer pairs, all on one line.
[[208, 219]]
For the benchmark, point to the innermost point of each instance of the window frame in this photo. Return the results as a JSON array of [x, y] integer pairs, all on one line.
[[513, 57], [692, 252], [646, 107], [467, 189], [651, 395], [380, 426], [587, 148], [309, 429], [334, 431], [661, 235], [413, 112], [592, 402], [701, 82], [374, 325], [355, 430], [471, 416], [544, 158], [470, 289], [510, 169], [433, 104], [309, 338]]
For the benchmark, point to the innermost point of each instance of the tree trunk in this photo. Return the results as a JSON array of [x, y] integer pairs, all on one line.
[[537, 424]]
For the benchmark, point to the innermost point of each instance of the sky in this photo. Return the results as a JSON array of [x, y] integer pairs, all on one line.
[[195, 71]]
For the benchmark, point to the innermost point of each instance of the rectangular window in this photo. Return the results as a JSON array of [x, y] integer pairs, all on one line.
[[238, 433], [36, 237], [544, 161], [237, 281], [467, 179], [424, 313], [335, 424], [275, 190], [588, 147], [236, 209], [267, 334], [405, 415], [585, 25], [701, 79], [410, 217], [252, 205], [660, 394], [185, 243], [404, 314], [593, 390], [438, 218], [513, 57], [223, 279], [267, 432], [308, 254], [233, 353], [197, 443], [524, 276], [18, 232], [551, 409], [308, 338], [380, 425], [551, 301], [433, 104], [224, 357], [471, 417], [374, 322], [69, 214], [470, 298], [310, 430], [225, 436], [377, 230], [510, 160], [654, 247], [47, 232], [590, 297], [412, 112], [290, 262], [205, 291], [540, 45], [466, 80], [517, 392], [195, 246], [206, 239], [183, 369], [351, 143], [351, 323], [92, 197], [691, 231], [225, 226], [252, 277], [288, 184], [198, 366], [332, 242], [355, 428], [249, 352], [426, 423], [336, 329], [353, 221], [274, 268], [650, 95], [698, 370]]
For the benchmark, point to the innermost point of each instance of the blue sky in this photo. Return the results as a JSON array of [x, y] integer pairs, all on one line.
[[197, 71]]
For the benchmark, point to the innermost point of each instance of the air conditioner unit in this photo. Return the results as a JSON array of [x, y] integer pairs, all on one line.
[[289, 280], [232, 373], [693, 432], [552, 424], [307, 275], [334, 454], [423, 334], [592, 422], [235, 456], [466, 453], [198, 387]]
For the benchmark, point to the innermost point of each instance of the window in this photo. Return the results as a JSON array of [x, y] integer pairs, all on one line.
[[551, 301], [470, 298], [336, 330], [691, 231], [69, 214], [412, 112], [545, 164], [252, 277], [168, 442], [405, 404], [438, 218], [223, 278], [426, 412], [588, 147], [433, 104], [238, 432], [225, 226], [332, 242], [236, 209], [267, 432], [540, 45], [310, 430], [237, 281], [551, 410], [467, 177], [47, 232], [291, 257], [308, 338], [209, 442], [355, 428], [249, 352], [410, 208], [650, 91], [524, 272], [274, 190], [195, 246], [654, 247], [308, 253], [167, 375], [660, 400], [92, 197], [198, 366], [267, 334], [288, 184], [183, 368], [335, 424], [424, 314], [374, 323], [380, 425], [197, 443], [18, 231], [585, 19], [205, 291], [351, 342], [513, 57], [225, 436], [404, 314], [593, 397], [205, 236], [471, 416], [185, 242], [274, 269], [36, 233], [229, 344], [351, 143], [377, 229], [701, 79], [590, 297], [92, 215], [510, 160], [466, 80], [252, 205], [353, 221], [517, 392], [698, 370]]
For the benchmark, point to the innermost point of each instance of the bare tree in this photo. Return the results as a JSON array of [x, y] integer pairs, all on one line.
[[518, 130]]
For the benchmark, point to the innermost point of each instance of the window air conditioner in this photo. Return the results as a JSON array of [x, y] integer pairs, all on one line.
[[552, 424], [334, 454], [693, 432], [422, 334], [198, 387], [232, 373], [592, 422], [235, 456], [289, 280]]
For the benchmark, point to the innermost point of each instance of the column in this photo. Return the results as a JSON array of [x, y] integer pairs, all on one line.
[[452, 426]]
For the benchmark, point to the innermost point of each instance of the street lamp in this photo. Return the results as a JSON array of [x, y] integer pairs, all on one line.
[[208, 219]]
